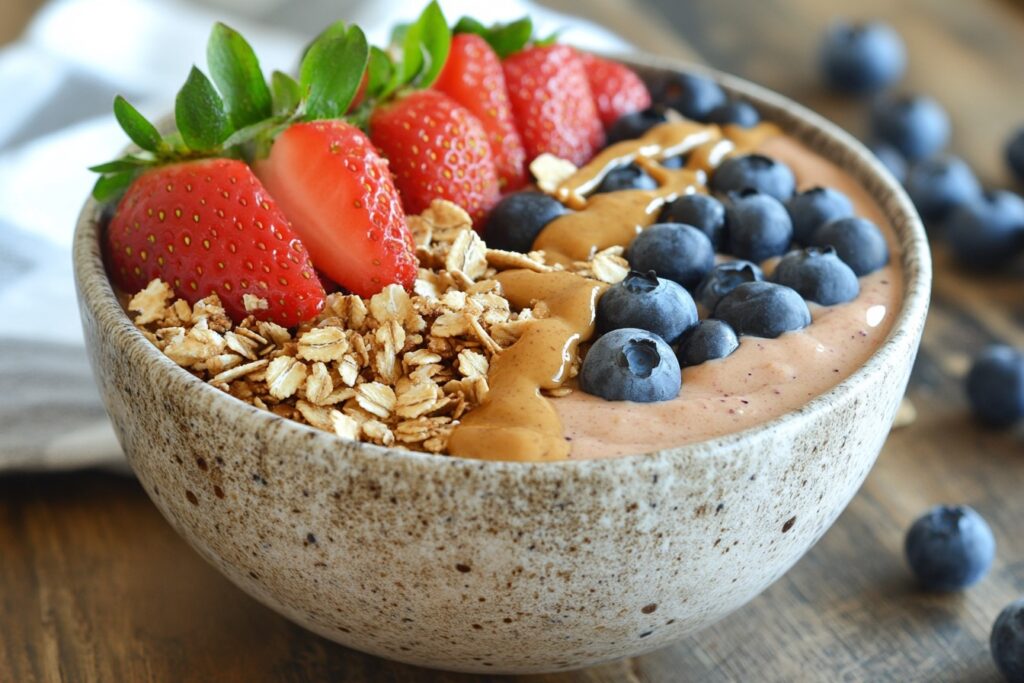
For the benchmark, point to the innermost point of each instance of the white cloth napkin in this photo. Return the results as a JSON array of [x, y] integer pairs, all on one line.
[[59, 82]]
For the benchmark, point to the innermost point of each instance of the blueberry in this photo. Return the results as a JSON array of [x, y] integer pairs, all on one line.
[[702, 212], [812, 208], [817, 275], [648, 302], [995, 386], [709, 340], [516, 220], [949, 548], [857, 241], [754, 172], [1015, 153], [917, 126], [988, 230], [759, 226], [692, 96], [724, 278], [674, 162], [677, 252], [633, 125], [628, 177], [631, 365], [763, 309], [862, 58], [940, 184], [1007, 642], [737, 113], [891, 158]]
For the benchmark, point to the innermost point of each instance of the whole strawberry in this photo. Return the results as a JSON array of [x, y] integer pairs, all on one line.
[[616, 88], [209, 227], [338, 192], [552, 103], [436, 149], [474, 78]]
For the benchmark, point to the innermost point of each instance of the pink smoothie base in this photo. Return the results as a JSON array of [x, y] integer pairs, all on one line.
[[764, 378]]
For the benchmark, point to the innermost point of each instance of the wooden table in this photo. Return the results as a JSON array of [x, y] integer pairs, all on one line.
[[95, 586]]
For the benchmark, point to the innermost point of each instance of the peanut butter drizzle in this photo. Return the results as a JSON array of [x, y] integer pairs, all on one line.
[[614, 218], [515, 422]]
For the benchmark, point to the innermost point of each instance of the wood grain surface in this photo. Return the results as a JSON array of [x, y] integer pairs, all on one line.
[[94, 586]]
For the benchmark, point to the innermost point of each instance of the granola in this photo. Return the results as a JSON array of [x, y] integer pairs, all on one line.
[[398, 369]]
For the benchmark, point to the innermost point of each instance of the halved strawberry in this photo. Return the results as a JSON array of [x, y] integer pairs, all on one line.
[[436, 149], [338, 193], [473, 77], [210, 227], [616, 88], [552, 103]]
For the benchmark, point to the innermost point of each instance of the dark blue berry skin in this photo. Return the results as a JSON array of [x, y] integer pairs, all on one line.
[[676, 252], [692, 96], [811, 209], [949, 548], [995, 386], [763, 309], [724, 278], [648, 302], [675, 162], [703, 212], [754, 172], [517, 219], [628, 177], [631, 365], [857, 241], [1015, 153], [862, 58], [891, 158], [737, 113], [817, 275], [916, 125], [1007, 642], [635, 124], [759, 226], [987, 231], [939, 185], [709, 340]]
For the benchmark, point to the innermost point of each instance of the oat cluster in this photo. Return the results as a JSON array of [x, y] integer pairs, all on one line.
[[398, 369]]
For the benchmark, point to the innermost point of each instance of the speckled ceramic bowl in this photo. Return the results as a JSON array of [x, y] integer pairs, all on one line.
[[498, 566]]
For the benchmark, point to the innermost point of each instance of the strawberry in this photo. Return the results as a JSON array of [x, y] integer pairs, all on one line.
[[552, 103], [209, 227], [473, 77], [338, 192], [616, 88], [436, 149]]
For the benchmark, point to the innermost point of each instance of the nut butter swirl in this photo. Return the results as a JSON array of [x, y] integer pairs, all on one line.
[[614, 218], [515, 421]]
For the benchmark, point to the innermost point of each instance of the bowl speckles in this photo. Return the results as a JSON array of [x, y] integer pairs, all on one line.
[[492, 566]]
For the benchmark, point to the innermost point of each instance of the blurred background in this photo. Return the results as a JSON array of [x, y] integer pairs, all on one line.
[[95, 586]]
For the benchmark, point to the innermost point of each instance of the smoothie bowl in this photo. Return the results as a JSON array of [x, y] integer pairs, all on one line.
[[486, 543]]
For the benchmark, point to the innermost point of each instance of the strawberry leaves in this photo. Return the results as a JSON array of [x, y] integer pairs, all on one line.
[[200, 114], [236, 71], [331, 71], [504, 39], [139, 129]]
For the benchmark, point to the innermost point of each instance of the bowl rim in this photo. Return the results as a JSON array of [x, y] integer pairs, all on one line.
[[793, 118]]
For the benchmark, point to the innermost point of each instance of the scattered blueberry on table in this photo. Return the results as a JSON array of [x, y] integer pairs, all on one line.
[[988, 230], [891, 158], [862, 58], [1015, 153], [518, 218], [648, 302], [916, 125], [950, 548], [1007, 642], [759, 226], [763, 309], [675, 251], [940, 184], [709, 340], [995, 386], [817, 274], [631, 364]]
